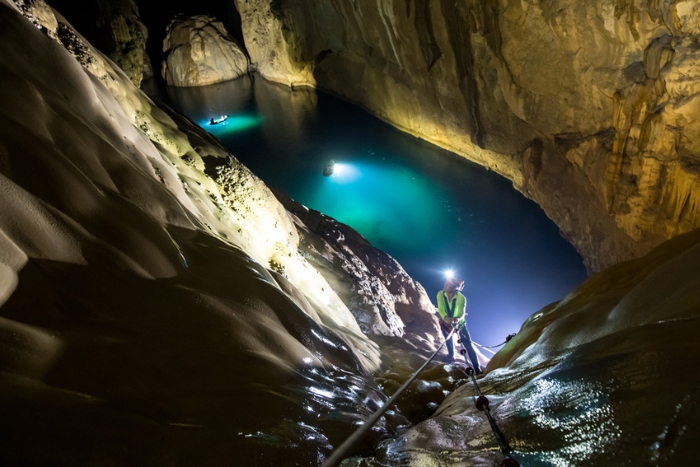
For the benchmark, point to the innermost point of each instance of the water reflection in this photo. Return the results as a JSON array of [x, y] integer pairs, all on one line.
[[426, 207], [576, 411]]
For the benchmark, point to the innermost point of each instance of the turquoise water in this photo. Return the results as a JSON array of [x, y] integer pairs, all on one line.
[[428, 208]]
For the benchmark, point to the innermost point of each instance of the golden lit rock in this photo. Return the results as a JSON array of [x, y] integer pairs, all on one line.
[[590, 108], [199, 51]]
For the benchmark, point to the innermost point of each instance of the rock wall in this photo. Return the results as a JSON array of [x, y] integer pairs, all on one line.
[[384, 299], [579, 384], [199, 51], [592, 109], [152, 289], [115, 28]]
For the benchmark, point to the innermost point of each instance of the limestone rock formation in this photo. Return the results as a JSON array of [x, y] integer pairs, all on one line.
[[116, 29], [153, 291], [158, 306], [592, 109], [384, 299], [199, 51], [129, 36], [600, 376]]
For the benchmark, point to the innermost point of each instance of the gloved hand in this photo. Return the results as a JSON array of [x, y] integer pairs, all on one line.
[[446, 324]]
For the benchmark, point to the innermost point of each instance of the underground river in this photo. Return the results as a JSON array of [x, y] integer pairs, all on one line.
[[428, 208]]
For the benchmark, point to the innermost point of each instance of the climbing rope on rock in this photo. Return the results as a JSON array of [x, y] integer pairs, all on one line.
[[488, 347], [483, 405], [342, 450], [508, 338]]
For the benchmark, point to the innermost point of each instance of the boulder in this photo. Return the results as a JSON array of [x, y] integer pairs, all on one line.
[[199, 51]]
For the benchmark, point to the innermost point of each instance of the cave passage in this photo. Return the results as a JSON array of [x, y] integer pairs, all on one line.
[[428, 208]]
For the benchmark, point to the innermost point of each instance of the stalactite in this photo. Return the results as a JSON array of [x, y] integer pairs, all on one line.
[[622, 126], [682, 200], [627, 7]]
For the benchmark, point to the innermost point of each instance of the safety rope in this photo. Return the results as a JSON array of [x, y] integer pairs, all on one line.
[[340, 452], [488, 349], [508, 338], [482, 404]]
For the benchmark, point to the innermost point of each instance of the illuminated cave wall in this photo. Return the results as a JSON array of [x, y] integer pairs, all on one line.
[[590, 108]]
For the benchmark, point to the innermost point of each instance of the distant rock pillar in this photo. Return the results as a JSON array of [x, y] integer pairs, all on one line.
[[128, 45], [199, 51]]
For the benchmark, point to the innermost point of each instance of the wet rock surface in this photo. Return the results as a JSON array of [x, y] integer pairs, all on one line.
[[599, 376]]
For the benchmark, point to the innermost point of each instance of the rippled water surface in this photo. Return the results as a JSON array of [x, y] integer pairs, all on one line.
[[428, 208]]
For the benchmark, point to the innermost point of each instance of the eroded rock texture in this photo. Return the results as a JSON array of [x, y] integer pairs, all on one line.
[[152, 289], [580, 384], [384, 299], [592, 109], [115, 28], [199, 51]]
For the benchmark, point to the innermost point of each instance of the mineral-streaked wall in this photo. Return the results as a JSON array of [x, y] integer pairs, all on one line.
[[591, 108], [115, 28], [199, 51]]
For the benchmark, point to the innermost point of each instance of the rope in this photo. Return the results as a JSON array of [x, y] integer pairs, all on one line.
[[339, 453], [508, 338], [488, 349], [482, 403]]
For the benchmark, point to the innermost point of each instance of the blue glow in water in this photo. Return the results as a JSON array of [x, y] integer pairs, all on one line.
[[232, 124], [379, 202], [429, 209]]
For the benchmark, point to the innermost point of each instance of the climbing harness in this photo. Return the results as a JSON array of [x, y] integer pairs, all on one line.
[[482, 404], [339, 453]]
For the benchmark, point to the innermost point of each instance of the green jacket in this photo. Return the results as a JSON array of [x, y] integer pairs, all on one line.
[[452, 309]]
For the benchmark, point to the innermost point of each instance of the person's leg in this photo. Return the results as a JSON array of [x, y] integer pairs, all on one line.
[[467, 344], [450, 342]]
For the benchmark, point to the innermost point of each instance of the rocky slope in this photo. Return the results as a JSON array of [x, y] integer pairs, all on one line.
[[601, 378], [592, 109], [156, 306]]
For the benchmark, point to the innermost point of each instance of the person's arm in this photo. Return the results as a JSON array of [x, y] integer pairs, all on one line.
[[442, 313], [461, 308]]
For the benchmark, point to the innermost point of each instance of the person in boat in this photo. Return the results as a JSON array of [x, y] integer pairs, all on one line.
[[452, 306], [221, 119]]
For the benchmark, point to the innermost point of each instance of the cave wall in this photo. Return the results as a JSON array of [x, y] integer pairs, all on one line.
[[590, 108], [115, 28]]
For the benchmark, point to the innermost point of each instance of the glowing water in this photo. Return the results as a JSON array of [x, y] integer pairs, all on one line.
[[426, 207]]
